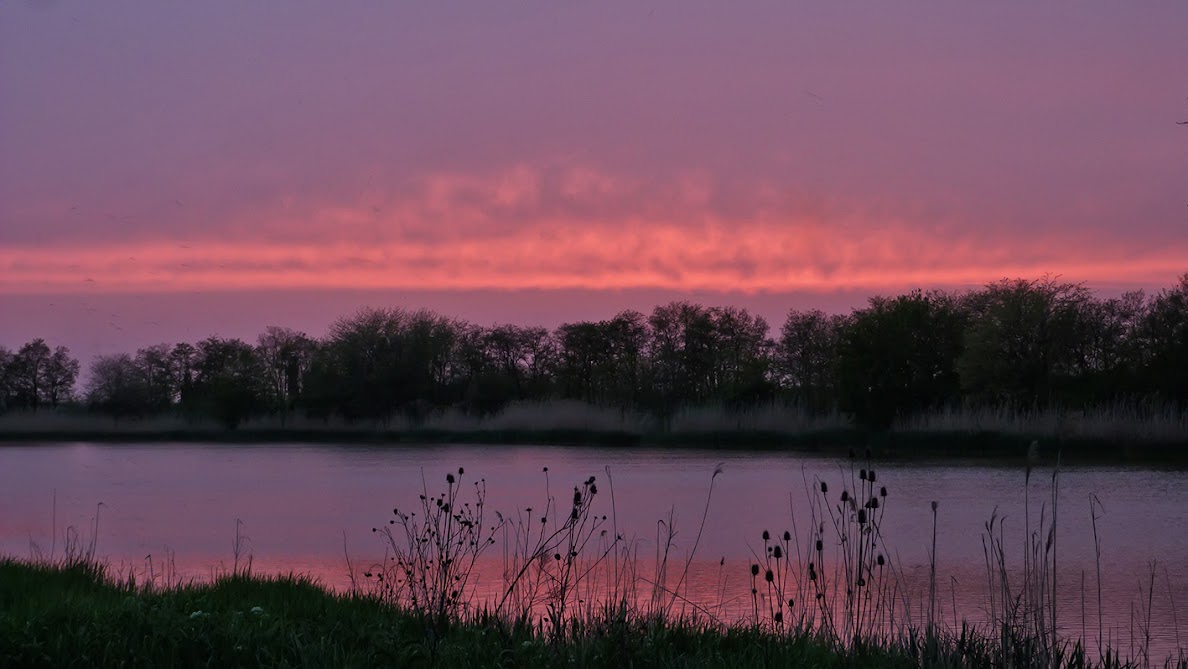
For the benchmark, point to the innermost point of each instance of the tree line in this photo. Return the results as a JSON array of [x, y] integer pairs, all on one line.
[[1013, 343]]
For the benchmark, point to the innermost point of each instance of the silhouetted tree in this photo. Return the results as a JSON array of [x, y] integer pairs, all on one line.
[[182, 361], [627, 334], [584, 361], [1165, 336], [117, 386], [156, 368], [898, 356], [1106, 351], [59, 375], [741, 358], [285, 357], [806, 358], [358, 371], [38, 376], [1021, 339], [682, 352], [27, 373], [229, 380]]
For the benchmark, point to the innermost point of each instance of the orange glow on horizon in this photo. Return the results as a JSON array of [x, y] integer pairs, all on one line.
[[748, 257]]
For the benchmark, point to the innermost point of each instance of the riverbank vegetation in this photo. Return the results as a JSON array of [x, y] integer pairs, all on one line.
[[1101, 435], [573, 591], [1038, 356], [76, 615]]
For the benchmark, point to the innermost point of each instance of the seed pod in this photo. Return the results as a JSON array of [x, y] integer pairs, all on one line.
[[754, 570], [766, 535]]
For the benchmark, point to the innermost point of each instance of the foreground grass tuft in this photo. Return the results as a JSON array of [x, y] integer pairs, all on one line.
[[73, 615]]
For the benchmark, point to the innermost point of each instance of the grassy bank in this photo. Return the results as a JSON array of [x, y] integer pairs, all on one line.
[[1108, 435], [69, 615], [74, 615]]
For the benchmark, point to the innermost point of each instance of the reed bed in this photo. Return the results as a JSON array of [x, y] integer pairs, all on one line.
[[1119, 432], [1106, 424], [768, 418]]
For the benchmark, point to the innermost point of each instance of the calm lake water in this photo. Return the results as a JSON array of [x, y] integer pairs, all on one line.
[[298, 504]]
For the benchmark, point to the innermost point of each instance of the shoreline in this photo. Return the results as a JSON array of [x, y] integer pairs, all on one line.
[[893, 445]]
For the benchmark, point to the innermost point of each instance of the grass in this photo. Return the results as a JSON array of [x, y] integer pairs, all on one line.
[[75, 615], [573, 591]]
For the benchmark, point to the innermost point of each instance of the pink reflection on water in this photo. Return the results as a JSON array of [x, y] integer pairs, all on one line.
[[304, 509]]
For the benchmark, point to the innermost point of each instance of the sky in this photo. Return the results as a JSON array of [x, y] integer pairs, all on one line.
[[170, 171]]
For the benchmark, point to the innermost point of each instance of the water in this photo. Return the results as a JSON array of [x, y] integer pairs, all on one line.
[[303, 508]]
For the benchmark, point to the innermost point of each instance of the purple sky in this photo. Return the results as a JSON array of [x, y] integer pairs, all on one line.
[[173, 170]]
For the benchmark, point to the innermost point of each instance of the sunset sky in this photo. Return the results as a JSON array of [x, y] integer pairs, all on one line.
[[174, 170]]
